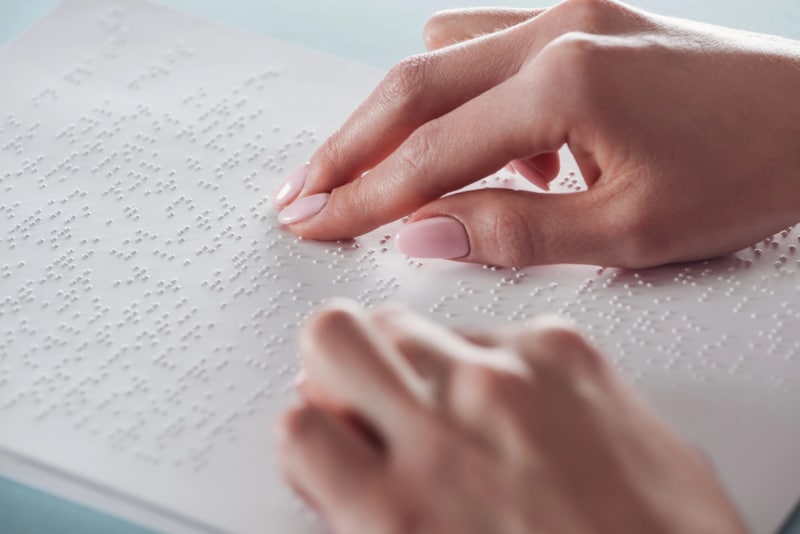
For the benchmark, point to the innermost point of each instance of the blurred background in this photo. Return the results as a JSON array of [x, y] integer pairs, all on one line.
[[380, 32]]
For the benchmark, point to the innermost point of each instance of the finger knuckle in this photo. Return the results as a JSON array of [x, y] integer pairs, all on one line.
[[577, 51], [356, 207], [507, 236], [603, 17], [405, 82], [330, 153], [436, 30], [590, 15], [417, 151], [574, 61]]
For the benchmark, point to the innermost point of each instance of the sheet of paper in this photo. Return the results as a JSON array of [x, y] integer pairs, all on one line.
[[149, 300]]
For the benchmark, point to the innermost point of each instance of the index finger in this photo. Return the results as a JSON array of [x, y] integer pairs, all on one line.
[[423, 96], [414, 91], [350, 369], [443, 155]]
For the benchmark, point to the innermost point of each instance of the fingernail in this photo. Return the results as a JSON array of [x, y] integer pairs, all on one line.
[[529, 173], [303, 209], [291, 187], [437, 237], [510, 168]]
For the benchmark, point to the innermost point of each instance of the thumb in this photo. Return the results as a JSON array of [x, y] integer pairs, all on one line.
[[514, 229], [456, 25]]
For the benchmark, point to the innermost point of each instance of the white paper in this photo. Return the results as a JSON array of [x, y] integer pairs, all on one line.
[[149, 300]]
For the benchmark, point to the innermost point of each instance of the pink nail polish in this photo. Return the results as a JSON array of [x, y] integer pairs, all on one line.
[[303, 209], [291, 187], [437, 237], [529, 173]]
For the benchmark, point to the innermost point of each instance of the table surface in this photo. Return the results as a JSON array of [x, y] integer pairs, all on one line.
[[376, 32]]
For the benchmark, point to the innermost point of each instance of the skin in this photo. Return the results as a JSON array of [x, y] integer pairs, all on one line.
[[408, 427], [688, 136]]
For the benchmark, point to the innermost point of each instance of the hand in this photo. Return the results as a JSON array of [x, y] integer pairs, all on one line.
[[409, 427], [688, 136]]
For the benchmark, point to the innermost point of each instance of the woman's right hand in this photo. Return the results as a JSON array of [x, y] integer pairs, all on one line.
[[688, 136], [406, 426]]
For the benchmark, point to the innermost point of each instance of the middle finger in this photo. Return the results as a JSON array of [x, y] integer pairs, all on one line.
[[415, 91]]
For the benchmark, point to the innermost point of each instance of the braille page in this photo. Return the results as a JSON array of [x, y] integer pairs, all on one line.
[[149, 300]]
